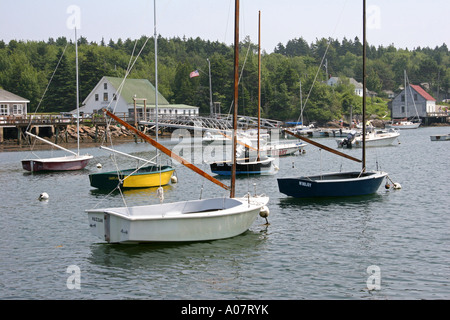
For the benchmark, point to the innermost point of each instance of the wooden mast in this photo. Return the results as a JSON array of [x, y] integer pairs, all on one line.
[[259, 80], [236, 88], [364, 90], [167, 151], [78, 93]]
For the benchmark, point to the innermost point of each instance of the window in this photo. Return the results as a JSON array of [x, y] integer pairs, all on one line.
[[105, 86], [105, 96], [415, 96], [4, 110], [114, 97], [96, 97], [17, 109], [403, 109], [403, 97]]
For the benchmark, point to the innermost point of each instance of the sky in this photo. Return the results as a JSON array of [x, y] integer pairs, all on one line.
[[403, 23]]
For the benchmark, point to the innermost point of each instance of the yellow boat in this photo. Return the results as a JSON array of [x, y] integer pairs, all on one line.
[[145, 177]]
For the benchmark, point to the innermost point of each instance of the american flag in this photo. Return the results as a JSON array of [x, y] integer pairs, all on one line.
[[194, 74]]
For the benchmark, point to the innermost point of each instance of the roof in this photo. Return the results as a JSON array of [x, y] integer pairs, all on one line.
[[422, 92], [6, 96], [141, 88], [181, 106], [351, 81]]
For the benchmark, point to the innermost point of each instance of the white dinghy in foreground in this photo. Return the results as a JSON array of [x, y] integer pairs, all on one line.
[[192, 220], [197, 220]]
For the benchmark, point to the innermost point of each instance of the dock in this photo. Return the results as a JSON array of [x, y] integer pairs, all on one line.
[[50, 125]]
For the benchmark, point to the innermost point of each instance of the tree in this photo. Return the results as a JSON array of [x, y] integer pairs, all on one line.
[[61, 94]]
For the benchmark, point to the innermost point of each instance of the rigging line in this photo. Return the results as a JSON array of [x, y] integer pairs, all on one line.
[[323, 58], [412, 97], [48, 85], [128, 71], [119, 90], [228, 19], [139, 167], [240, 76]]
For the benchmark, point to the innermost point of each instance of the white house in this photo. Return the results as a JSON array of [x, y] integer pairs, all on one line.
[[358, 86], [12, 105], [139, 92]]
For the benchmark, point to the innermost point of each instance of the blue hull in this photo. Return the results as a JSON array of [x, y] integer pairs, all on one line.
[[243, 168], [332, 185]]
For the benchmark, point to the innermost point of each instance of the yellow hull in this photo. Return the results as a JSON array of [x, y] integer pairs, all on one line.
[[154, 179]]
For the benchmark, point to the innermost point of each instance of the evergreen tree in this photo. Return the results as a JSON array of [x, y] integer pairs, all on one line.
[[61, 94]]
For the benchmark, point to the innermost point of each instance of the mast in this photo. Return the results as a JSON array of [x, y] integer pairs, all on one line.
[[166, 151], [301, 101], [78, 93], [236, 84], [156, 71], [364, 90], [211, 110], [406, 103], [259, 79]]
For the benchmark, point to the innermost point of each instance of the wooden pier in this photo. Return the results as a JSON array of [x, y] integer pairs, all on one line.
[[50, 125]]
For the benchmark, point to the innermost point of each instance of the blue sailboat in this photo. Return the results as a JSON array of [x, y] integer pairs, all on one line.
[[337, 184]]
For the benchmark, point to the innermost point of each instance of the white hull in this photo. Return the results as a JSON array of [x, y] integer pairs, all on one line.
[[442, 137], [67, 163], [403, 125], [283, 149], [376, 139], [196, 220]]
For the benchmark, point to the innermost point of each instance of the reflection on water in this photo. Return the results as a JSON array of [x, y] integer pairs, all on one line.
[[312, 249], [290, 202], [168, 254]]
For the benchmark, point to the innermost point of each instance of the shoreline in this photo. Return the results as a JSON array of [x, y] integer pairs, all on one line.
[[119, 135]]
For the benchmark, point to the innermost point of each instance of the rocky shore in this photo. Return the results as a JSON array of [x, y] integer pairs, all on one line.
[[93, 134], [117, 133]]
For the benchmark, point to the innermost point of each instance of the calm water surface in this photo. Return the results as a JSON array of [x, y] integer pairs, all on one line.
[[311, 250]]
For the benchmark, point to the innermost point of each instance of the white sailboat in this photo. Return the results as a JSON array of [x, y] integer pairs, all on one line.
[[249, 165], [191, 220], [374, 138], [405, 123], [74, 161], [283, 149]]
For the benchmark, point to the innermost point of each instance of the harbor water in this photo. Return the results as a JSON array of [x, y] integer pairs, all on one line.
[[394, 244]]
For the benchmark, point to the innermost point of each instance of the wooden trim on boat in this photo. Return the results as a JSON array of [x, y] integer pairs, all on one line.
[[167, 151]]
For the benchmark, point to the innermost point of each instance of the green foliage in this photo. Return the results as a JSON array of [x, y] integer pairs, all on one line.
[[27, 67]]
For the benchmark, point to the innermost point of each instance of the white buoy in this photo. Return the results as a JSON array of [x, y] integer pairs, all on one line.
[[43, 196], [160, 194], [174, 179], [264, 212], [397, 186], [99, 165]]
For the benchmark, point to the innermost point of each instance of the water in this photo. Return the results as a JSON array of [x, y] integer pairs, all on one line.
[[311, 250]]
